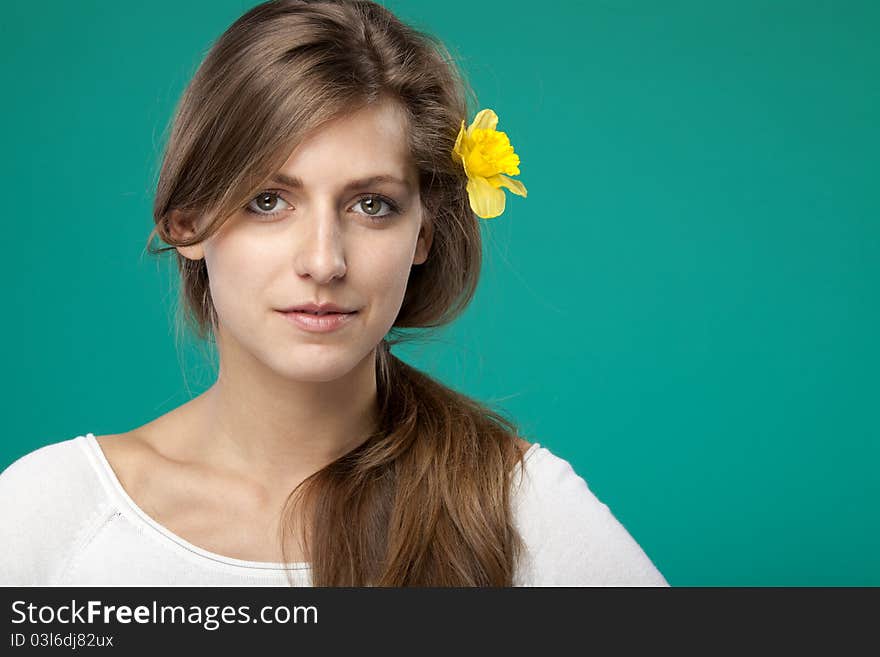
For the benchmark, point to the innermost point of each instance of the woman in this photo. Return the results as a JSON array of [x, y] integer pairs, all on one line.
[[318, 190]]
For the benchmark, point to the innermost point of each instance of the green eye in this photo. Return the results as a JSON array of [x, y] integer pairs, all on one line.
[[372, 204], [268, 197]]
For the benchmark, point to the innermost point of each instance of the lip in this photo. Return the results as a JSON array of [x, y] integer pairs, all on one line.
[[318, 323], [318, 308]]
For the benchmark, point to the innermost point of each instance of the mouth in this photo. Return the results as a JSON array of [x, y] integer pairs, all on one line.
[[318, 322]]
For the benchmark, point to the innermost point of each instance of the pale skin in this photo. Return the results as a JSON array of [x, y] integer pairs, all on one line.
[[217, 470]]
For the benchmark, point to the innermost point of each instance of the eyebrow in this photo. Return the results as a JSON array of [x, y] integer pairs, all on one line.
[[296, 183]]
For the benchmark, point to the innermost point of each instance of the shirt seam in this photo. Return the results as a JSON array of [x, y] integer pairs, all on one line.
[[100, 517]]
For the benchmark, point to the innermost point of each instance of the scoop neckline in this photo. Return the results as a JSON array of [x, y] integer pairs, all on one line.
[[116, 486], [109, 478]]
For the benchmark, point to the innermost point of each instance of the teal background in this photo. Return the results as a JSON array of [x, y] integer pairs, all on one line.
[[685, 307]]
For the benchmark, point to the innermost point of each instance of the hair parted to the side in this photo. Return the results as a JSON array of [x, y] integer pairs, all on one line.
[[426, 499]]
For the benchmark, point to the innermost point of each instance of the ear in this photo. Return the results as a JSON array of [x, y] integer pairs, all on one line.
[[426, 237], [182, 226]]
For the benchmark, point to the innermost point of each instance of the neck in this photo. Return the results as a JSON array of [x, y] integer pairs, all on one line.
[[278, 431]]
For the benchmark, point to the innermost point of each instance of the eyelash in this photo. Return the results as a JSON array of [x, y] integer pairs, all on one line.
[[394, 208]]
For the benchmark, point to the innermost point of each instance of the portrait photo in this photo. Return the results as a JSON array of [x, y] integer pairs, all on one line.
[[343, 293]]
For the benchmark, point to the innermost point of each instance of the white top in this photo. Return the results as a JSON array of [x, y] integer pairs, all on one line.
[[66, 520]]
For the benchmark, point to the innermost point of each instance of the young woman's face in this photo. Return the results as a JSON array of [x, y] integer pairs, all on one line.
[[316, 235]]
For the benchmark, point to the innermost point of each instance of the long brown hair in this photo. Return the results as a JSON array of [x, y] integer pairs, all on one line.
[[426, 499]]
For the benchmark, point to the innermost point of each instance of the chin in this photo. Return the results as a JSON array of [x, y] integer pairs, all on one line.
[[311, 365]]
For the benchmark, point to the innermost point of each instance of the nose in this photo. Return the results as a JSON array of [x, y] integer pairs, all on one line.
[[320, 253]]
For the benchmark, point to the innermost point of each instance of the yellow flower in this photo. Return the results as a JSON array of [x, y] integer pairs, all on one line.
[[487, 155]]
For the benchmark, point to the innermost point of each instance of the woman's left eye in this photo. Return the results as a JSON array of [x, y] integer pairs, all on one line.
[[372, 203]]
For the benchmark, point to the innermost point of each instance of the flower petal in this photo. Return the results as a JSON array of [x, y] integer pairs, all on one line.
[[456, 150], [485, 200], [515, 186], [485, 119]]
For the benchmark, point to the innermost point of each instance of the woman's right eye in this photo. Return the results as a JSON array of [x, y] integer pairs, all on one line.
[[264, 204]]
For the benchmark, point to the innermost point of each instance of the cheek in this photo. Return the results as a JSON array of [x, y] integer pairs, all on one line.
[[386, 267], [235, 271]]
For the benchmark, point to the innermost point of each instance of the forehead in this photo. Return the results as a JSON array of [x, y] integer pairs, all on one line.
[[369, 141]]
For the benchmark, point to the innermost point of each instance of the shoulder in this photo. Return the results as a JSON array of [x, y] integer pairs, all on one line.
[[51, 466], [46, 496], [572, 538]]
